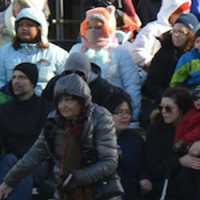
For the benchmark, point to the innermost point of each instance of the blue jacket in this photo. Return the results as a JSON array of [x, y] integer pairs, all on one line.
[[187, 70], [195, 8], [49, 61]]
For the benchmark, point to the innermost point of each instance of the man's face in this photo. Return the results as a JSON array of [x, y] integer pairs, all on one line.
[[27, 30], [22, 87]]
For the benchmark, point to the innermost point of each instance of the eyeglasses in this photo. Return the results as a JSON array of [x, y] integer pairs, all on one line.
[[180, 32], [122, 113], [168, 109]]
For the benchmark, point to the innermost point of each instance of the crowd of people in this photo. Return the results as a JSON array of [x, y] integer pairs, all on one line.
[[116, 117]]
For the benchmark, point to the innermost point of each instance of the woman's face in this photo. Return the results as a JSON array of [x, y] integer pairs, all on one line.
[[27, 30], [69, 107], [170, 111], [122, 116], [180, 35]]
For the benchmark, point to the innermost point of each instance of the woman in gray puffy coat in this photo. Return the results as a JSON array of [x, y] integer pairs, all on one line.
[[80, 138]]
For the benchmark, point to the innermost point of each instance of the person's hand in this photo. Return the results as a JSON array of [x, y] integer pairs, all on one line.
[[145, 185], [195, 149], [4, 191], [190, 162]]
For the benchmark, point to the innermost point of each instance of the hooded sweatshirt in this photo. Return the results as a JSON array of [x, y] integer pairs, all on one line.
[[146, 43], [50, 61]]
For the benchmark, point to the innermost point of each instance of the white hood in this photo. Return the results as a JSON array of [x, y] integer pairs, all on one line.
[[37, 4], [9, 20], [167, 8], [39, 17]]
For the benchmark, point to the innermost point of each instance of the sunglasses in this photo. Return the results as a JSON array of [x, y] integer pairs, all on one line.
[[168, 109]]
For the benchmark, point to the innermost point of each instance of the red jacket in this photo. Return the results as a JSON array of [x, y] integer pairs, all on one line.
[[188, 129]]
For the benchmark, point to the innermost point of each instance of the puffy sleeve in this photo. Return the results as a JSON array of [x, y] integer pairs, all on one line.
[[131, 80]]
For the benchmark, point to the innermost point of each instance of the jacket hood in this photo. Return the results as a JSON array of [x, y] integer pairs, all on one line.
[[9, 20], [106, 15], [169, 6], [38, 4], [73, 84], [78, 62], [37, 16]]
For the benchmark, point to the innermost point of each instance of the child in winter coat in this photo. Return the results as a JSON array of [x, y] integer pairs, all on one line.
[[187, 71], [188, 129]]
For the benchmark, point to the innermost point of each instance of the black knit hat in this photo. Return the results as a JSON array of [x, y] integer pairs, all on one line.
[[189, 20], [30, 70]]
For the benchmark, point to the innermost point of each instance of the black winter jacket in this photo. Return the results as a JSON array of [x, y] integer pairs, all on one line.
[[163, 162], [161, 70]]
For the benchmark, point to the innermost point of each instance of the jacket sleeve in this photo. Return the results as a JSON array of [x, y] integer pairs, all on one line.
[[145, 45], [2, 68], [161, 161], [131, 80], [61, 57], [157, 76], [38, 152], [182, 71], [105, 148]]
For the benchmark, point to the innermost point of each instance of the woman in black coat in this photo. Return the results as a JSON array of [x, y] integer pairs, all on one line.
[[163, 162], [131, 147]]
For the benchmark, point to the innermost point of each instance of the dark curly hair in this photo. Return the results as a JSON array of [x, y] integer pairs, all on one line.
[[181, 96]]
